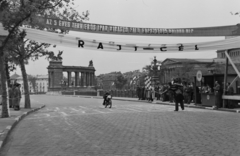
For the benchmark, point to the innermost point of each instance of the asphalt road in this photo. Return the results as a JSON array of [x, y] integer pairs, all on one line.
[[72, 126]]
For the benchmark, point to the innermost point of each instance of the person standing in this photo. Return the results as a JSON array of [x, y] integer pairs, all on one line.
[[149, 95], [177, 88], [157, 95], [217, 94], [229, 91], [152, 93], [16, 96], [143, 92], [170, 92], [10, 91], [189, 93], [138, 92]]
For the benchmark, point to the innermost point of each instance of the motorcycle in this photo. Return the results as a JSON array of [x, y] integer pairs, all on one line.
[[108, 101]]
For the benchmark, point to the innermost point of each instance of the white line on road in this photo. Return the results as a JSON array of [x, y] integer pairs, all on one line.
[[84, 107], [63, 113], [57, 109], [76, 110]]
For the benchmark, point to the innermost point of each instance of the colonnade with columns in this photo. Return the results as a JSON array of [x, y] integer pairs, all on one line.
[[84, 76], [82, 79]]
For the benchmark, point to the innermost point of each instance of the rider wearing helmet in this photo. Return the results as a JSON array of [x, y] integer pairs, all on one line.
[[105, 97]]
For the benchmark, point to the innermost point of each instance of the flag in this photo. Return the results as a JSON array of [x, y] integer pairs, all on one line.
[[147, 81], [134, 79]]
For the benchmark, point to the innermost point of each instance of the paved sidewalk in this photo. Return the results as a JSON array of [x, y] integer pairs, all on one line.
[[7, 124]]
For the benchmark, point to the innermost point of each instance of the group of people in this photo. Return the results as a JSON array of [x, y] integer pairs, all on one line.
[[149, 93], [152, 92], [174, 91], [218, 92], [15, 96]]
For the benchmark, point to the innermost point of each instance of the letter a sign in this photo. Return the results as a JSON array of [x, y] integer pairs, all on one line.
[[199, 75]]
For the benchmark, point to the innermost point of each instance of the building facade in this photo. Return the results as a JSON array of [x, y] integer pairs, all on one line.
[[37, 84]]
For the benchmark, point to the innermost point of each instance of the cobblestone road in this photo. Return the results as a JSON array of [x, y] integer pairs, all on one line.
[[82, 127]]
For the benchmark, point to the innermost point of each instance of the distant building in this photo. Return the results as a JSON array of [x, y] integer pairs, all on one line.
[[42, 83], [174, 67], [36, 84], [171, 67]]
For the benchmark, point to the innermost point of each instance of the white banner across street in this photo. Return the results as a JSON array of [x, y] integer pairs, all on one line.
[[112, 46]]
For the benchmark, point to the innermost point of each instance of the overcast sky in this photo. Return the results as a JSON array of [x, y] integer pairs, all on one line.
[[143, 13]]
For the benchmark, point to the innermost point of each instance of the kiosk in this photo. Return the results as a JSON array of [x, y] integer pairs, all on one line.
[[208, 98]]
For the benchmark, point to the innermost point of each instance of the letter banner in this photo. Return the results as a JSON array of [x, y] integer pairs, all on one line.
[[232, 30], [82, 43], [102, 45]]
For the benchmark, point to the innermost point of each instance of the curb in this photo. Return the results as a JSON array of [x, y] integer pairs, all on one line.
[[201, 107], [5, 134]]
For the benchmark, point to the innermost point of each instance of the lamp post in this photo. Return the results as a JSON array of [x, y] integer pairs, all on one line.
[[154, 69]]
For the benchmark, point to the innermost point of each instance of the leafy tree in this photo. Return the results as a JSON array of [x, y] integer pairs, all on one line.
[[183, 72], [14, 14], [120, 81], [20, 53]]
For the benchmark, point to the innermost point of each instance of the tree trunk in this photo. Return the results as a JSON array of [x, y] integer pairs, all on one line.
[[5, 108], [25, 84], [7, 77], [7, 72]]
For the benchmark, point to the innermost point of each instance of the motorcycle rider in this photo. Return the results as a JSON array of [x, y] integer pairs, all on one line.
[[105, 97]]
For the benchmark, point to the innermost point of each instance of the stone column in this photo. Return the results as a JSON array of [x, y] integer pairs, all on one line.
[[69, 78], [87, 84], [93, 78], [79, 79], [90, 79], [49, 79], [76, 78], [83, 79], [52, 79]]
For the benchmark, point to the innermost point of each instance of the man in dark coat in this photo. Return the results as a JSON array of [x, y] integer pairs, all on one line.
[[16, 96], [177, 89], [142, 92], [138, 92], [217, 95]]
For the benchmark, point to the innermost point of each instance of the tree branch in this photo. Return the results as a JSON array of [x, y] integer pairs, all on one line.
[[53, 6], [11, 32], [36, 48]]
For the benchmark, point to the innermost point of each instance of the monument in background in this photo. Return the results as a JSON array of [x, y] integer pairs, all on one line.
[[81, 84]]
